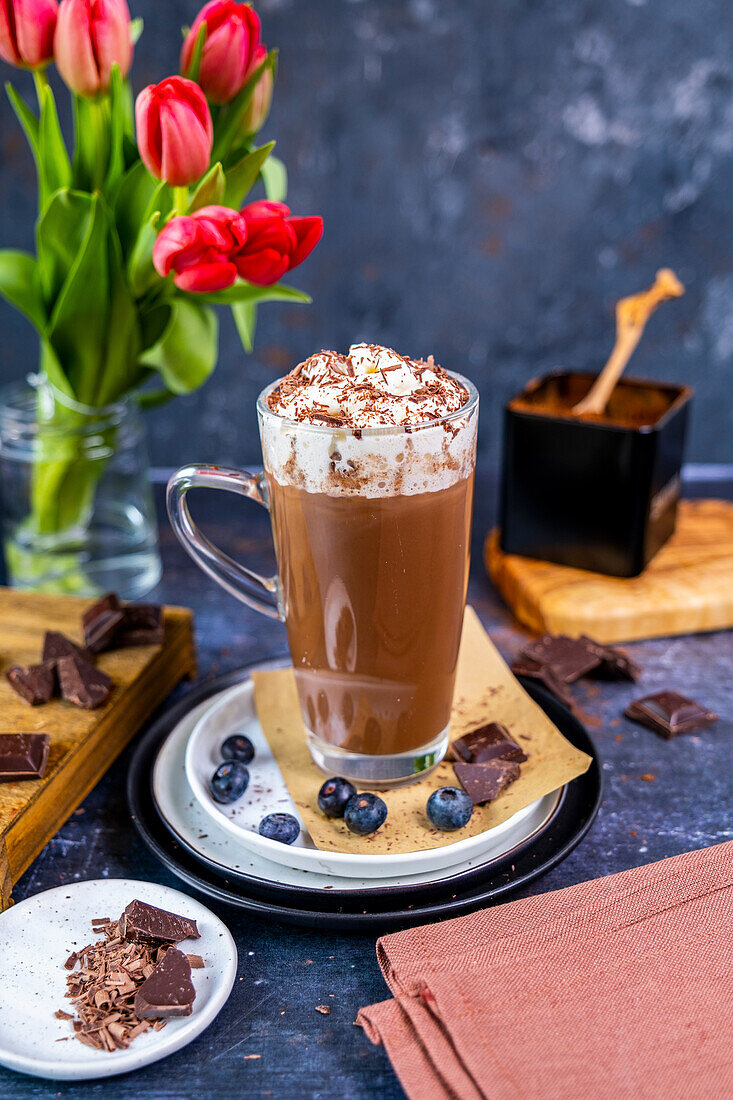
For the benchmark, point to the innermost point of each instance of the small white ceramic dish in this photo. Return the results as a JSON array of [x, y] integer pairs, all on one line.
[[37, 936], [234, 712], [187, 819]]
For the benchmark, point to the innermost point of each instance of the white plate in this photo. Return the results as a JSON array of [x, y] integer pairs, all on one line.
[[187, 819], [37, 936], [233, 712]]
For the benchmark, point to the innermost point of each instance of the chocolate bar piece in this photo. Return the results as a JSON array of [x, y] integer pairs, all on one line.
[[168, 991], [534, 670], [100, 623], [669, 714], [56, 645], [569, 658], [36, 684], [142, 624], [485, 782], [23, 756], [490, 742], [82, 684], [145, 923], [615, 662]]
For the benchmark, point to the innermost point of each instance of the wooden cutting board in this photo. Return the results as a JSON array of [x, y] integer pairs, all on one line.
[[686, 588], [83, 743]]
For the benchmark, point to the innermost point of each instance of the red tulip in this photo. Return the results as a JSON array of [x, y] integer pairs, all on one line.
[[92, 36], [26, 31], [197, 247], [174, 130], [230, 48], [276, 242], [258, 107]]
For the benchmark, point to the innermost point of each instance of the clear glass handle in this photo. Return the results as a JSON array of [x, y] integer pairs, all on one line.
[[261, 593]]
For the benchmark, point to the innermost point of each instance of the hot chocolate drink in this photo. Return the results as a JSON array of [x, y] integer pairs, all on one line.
[[369, 460]]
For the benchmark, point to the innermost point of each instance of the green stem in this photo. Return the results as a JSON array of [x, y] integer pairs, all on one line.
[[180, 198], [41, 82]]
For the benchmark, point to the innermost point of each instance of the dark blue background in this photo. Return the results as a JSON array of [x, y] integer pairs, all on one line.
[[493, 176]]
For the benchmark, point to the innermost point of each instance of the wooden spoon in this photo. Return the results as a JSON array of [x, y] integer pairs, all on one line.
[[632, 315]]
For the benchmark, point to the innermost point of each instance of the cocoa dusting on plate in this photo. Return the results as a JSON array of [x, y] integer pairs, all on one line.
[[110, 974]]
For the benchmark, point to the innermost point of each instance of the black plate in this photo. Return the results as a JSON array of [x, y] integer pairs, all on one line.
[[388, 907]]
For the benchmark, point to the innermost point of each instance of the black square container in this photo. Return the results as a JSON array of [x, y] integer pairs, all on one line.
[[598, 494]]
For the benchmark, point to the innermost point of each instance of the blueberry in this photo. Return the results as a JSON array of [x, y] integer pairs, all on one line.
[[364, 813], [229, 781], [333, 796], [238, 747], [282, 827], [449, 808]]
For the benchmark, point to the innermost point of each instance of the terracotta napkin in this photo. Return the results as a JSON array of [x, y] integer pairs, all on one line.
[[617, 988]]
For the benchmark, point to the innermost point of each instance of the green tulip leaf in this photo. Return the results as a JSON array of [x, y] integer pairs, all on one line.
[[120, 372], [185, 355], [230, 126], [275, 179], [198, 51], [117, 108], [240, 178], [246, 292], [245, 318], [19, 285], [135, 203], [210, 192], [54, 168], [26, 118], [136, 29]]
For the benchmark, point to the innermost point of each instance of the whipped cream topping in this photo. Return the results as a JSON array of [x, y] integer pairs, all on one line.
[[368, 387]]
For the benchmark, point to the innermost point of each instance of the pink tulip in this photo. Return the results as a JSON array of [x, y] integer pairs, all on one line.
[[230, 48], [26, 31], [174, 130], [197, 248], [92, 36], [258, 107], [276, 242]]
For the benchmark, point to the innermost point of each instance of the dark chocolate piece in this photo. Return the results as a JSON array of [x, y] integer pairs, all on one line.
[[533, 670], [145, 923], [101, 623], [142, 624], [490, 742], [23, 756], [56, 645], [82, 684], [669, 714], [36, 684], [485, 782], [168, 991], [569, 658], [615, 662]]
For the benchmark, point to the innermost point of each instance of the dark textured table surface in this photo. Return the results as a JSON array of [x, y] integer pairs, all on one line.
[[661, 798]]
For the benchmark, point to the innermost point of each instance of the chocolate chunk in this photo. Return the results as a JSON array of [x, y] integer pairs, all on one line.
[[56, 645], [669, 714], [490, 742], [168, 991], [615, 662], [485, 782], [36, 684], [23, 756], [533, 670], [83, 684], [141, 922], [101, 622], [142, 624], [569, 658]]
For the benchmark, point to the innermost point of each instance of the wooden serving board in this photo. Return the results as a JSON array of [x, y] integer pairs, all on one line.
[[83, 742], [686, 588]]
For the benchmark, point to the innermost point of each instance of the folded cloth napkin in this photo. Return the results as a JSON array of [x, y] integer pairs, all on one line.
[[617, 988]]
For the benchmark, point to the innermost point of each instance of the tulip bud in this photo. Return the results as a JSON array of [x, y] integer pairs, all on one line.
[[276, 242], [197, 248], [258, 107], [92, 36], [174, 130], [26, 31], [230, 48]]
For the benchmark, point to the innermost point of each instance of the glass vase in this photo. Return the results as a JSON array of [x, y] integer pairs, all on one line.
[[78, 512]]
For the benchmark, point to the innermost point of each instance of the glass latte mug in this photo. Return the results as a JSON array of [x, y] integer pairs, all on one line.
[[372, 531]]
